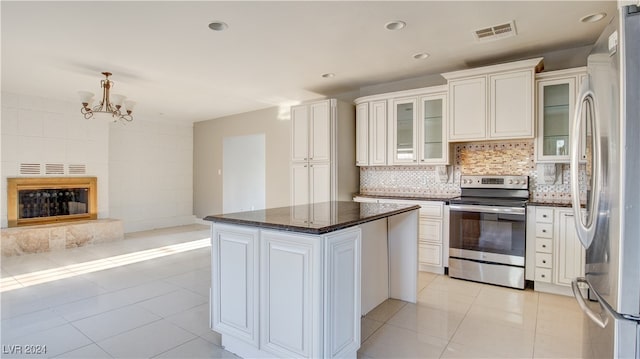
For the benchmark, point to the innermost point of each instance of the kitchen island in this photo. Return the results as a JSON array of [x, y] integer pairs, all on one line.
[[294, 281]]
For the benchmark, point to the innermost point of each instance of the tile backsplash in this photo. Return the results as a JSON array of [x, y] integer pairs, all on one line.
[[471, 158]]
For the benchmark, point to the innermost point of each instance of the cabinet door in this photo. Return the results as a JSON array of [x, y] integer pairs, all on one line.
[[320, 182], [290, 295], [430, 230], [430, 254], [556, 100], [570, 255], [342, 293], [299, 183], [362, 134], [378, 133], [320, 123], [468, 109], [235, 282], [300, 133], [432, 137], [404, 131], [511, 105]]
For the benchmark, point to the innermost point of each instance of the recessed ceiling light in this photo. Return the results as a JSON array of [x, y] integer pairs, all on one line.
[[395, 25], [593, 17], [421, 56], [218, 26], [328, 75]]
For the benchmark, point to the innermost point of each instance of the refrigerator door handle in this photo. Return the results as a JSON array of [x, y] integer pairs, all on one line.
[[585, 228], [595, 317], [598, 317]]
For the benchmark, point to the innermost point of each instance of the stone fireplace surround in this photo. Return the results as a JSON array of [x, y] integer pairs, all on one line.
[[54, 232]]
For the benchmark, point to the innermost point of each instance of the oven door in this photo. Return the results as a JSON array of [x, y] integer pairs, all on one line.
[[487, 233]]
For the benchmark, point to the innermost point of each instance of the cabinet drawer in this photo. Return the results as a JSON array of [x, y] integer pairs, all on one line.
[[543, 260], [430, 230], [544, 230], [544, 215], [544, 245], [430, 254], [431, 210], [543, 275]]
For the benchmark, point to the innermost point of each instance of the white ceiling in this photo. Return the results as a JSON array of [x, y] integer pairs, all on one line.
[[164, 56]]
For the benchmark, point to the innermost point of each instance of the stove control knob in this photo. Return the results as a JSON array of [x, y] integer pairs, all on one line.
[[517, 181], [510, 181]]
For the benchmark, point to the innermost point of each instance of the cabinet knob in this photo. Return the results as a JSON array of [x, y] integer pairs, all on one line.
[[544, 216], [544, 246], [543, 276], [544, 261], [544, 231]]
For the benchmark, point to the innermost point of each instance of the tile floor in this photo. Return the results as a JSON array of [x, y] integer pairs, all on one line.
[[129, 300]]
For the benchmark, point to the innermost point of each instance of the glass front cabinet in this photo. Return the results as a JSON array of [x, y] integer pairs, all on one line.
[[556, 99], [419, 128]]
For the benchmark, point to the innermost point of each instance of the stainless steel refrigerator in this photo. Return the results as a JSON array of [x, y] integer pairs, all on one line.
[[607, 120]]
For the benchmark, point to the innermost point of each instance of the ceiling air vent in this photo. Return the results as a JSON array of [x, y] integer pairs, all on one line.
[[30, 169], [495, 32]]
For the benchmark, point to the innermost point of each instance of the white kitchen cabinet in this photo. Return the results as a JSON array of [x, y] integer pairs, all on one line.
[[556, 98], [404, 128], [311, 131], [468, 109], [235, 281], [291, 297], [557, 255], [571, 254], [378, 133], [511, 102], [492, 102], [433, 147], [322, 134], [404, 131], [362, 134]]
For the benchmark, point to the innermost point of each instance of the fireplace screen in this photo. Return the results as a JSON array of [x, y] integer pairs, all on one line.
[[52, 202], [48, 200]]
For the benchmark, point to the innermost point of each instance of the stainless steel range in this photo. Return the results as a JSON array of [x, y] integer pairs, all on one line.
[[487, 230]]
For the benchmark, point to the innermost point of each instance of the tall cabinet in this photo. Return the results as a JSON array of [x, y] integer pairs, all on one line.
[[320, 130]]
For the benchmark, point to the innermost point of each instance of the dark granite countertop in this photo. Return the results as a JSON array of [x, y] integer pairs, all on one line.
[[417, 197], [317, 218], [550, 204]]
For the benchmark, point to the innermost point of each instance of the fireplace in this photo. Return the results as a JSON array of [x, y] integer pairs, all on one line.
[[42, 200]]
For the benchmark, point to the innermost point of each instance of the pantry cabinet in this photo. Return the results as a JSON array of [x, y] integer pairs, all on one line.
[[319, 130], [492, 102], [556, 98], [555, 255]]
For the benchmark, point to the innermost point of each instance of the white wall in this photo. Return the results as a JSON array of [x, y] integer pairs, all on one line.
[[151, 174], [144, 168], [40, 130]]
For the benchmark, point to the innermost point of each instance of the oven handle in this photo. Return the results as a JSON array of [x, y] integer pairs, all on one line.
[[486, 209]]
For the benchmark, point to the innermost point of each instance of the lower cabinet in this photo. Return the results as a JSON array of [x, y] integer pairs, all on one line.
[[286, 295], [556, 252], [433, 232]]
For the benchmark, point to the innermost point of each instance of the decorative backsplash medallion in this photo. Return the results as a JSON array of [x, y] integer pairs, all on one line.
[[471, 158]]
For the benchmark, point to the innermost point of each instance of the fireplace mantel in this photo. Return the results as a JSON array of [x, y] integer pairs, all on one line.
[[35, 200]]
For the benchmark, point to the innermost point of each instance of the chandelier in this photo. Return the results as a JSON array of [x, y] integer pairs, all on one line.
[[110, 107]]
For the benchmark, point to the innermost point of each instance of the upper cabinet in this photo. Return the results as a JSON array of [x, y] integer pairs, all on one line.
[[403, 128], [556, 98], [311, 126], [493, 102]]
